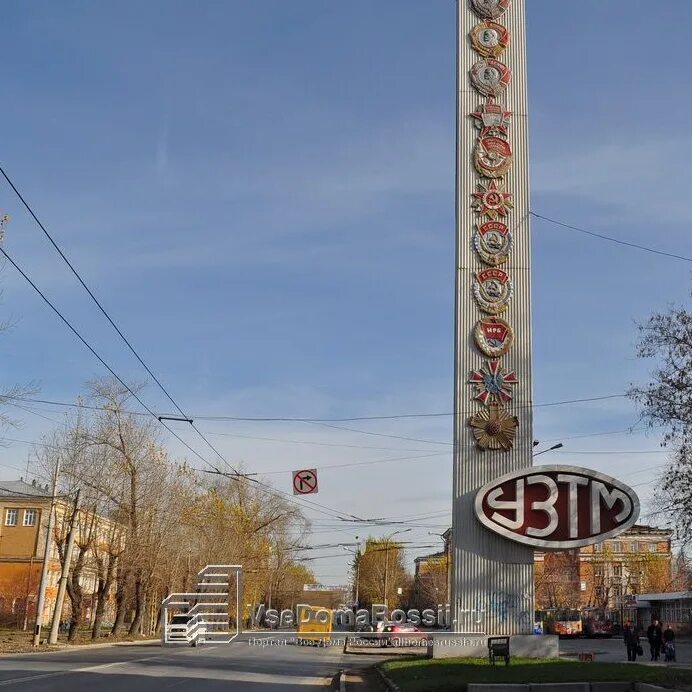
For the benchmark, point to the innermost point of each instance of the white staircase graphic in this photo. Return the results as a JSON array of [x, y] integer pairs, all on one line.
[[219, 588]]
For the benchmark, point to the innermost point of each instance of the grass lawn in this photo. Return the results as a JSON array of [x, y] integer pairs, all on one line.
[[440, 675]]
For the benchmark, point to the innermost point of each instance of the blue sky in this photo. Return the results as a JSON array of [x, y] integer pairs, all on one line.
[[262, 196]]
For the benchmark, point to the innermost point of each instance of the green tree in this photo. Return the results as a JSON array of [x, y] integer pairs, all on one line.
[[381, 573]]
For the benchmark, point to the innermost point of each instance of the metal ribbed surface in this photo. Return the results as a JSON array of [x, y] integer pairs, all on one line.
[[489, 573]]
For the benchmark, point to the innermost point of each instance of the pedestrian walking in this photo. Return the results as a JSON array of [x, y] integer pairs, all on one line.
[[631, 638], [654, 634], [669, 644]]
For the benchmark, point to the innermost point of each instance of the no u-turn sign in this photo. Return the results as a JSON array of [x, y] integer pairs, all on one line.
[[305, 482]]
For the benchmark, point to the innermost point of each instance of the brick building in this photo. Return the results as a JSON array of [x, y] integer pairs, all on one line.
[[24, 512], [603, 575], [431, 582]]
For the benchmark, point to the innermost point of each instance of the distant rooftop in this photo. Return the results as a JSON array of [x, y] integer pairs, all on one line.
[[643, 528], [434, 556], [21, 488]]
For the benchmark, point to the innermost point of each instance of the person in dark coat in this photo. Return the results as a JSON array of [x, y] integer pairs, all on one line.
[[654, 634], [631, 640], [669, 643]]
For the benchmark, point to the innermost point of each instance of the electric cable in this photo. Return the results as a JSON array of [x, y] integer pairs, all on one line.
[[71, 404], [608, 238], [106, 315], [91, 349]]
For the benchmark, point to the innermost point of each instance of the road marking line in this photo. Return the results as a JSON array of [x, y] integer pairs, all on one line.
[[29, 678], [87, 669]]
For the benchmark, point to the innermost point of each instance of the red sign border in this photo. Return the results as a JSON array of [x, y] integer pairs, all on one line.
[[295, 475], [555, 545]]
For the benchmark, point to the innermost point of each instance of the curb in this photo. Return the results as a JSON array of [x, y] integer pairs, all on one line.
[[389, 684], [105, 645], [56, 648]]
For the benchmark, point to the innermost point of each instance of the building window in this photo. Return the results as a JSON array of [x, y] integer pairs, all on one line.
[[598, 548], [617, 570], [30, 517], [633, 547], [616, 547], [652, 547], [10, 517]]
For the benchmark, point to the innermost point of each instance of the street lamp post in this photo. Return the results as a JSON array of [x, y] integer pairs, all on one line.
[[559, 445], [386, 563]]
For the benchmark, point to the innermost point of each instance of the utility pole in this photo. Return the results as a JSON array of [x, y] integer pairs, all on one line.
[[357, 578], [386, 568], [46, 558], [386, 564], [357, 555], [57, 613]]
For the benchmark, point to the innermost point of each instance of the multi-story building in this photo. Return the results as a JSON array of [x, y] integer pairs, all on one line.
[[604, 576], [24, 511], [431, 582]]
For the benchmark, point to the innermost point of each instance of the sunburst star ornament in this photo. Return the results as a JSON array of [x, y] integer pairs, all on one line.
[[491, 200], [493, 383], [494, 428]]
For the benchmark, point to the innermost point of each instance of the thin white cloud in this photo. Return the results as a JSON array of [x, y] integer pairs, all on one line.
[[635, 177]]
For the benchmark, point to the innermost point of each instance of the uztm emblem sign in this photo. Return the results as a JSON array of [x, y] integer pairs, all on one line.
[[305, 482], [557, 507]]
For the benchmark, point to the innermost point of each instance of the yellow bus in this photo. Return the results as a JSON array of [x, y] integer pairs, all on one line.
[[314, 625]]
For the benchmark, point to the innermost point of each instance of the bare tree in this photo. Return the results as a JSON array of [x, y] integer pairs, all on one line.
[[666, 403], [150, 523], [557, 580]]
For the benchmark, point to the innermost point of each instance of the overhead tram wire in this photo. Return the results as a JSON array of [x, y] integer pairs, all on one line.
[[399, 416], [27, 206], [91, 349], [97, 356], [376, 434], [609, 238], [563, 402], [310, 504]]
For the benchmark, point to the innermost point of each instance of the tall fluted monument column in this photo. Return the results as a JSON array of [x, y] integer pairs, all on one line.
[[492, 577]]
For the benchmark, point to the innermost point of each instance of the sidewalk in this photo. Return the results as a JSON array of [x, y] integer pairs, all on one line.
[[9, 648], [366, 680]]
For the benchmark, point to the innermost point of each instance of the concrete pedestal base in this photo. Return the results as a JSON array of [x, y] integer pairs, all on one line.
[[450, 645]]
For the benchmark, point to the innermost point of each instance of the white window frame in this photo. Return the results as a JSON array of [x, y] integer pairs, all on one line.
[[653, 548], [33, 513], [11, 512]]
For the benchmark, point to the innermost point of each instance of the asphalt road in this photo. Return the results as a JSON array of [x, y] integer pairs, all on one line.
[[238, 666]]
